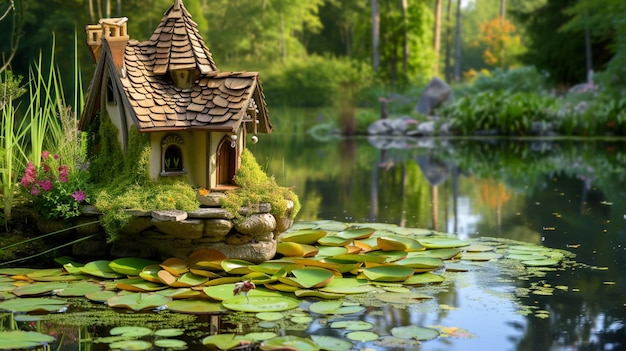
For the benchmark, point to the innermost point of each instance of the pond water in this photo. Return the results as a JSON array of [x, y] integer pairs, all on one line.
[[564, 194]]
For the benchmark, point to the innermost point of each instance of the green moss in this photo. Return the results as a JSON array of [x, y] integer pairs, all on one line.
[[126, 184], [257, 187]]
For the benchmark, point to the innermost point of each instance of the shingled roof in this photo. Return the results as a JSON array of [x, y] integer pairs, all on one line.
[[217, 101]]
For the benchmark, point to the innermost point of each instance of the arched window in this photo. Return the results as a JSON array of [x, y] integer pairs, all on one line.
[[172, 155]]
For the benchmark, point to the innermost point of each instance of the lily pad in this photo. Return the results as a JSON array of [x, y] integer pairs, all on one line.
[[169, 332], [261, 303], [402, 298], [131, 345], [442, 243], [362, 336], [131, 331], [17, 339], [80, 289], [195, 306], [388, 273], [312, 277], [335, 307], [100, 296], [352, 325], [393, 243], [138, 301], [38, 288], [331, 343], [224, 341], [348, 286], [414, 332], [33, 305], [444, 254], [171, 344], [327, 251], [235, 266], [480, 256], [317, 293], [356, 233], [260, 336], [270, 316], [421, 264], [130, 265], [424, 278], [100, 269], [289, 341], [333, 240], [305, 236], [138, 285], [540, 263]]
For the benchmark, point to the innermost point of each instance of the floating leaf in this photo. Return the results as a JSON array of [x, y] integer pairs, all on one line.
[[362, 336], [185, 280], [333, 240], [224, 341], [138, 285], [131, 345], [460, 267], [301, 319], [479, 248], [260, 336], [393, 243], [290, 249], [414, 332], [348, 286], [52, 275], [138, 301], [17, 339], [424, 278], [306, 236], [480, 256], [196, 306], [151, 273], [289, 341], [312, 277], [101, 296], [388, 273], [261, 303], [38, 289], [317, 293], [444, 254], [352, 325], [130, 266], [33, 305], [235, 266], [331, 343], [421, 264], [540, 263], [131, 331], [170, 344], [327, 251], [269, 316], [369, 257], [356, 233], [442, 243], [169, 332], [100, 269], [334, 307], [80, 289], [405, 298], [176, 266]]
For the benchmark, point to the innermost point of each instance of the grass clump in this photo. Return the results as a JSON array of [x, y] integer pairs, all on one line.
[[256, 187]]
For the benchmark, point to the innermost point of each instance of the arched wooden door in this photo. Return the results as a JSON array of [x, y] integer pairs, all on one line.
[[226, 162]]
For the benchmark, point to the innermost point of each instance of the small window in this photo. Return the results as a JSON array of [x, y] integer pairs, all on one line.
[[110, 92], [172, 162]]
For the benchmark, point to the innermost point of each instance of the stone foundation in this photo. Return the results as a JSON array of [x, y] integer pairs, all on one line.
[[172, 233]]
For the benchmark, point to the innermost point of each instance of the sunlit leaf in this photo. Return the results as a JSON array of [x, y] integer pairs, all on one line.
[[305, 236], [224, 341], [33, 305], [17, 339], [362, 336], [442, 243], [289, 341], [130, 266], [424, 278], [138, 301], [414, 332], [131, 331], [100, 269], [261, 303], [38, 288], [80, 289], [235, 266], [195, 306], [352, 325], [356, 233], [331, 343], [171, 344], [388, 273], [131, 345], [348, 286]]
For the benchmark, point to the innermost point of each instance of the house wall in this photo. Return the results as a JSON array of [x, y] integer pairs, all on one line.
[[114, 110], [194, 148]]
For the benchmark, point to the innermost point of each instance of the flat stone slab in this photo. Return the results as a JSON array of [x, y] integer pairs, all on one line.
[[211, 213], [184, 229], [169, 215]]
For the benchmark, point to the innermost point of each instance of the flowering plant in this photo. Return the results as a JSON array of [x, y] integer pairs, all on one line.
[[55, 190]]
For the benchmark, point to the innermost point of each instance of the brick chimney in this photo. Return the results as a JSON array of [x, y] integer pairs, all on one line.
[[113, 30]]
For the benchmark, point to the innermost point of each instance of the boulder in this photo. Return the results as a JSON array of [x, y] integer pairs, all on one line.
[[257, 224], [436, 93]]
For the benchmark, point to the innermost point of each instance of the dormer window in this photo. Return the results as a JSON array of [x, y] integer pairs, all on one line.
[[172, 156], [184, 78]]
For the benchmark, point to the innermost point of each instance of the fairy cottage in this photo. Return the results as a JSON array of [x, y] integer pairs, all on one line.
[[170, 87]]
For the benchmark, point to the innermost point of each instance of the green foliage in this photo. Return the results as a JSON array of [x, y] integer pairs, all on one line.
[[256, 187], [108, 159], [312, 82], [521, 79], [10, 87], [500, 112]]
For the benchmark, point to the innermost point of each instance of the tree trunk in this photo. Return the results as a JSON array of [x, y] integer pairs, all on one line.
[[437, 35], [457, 51], [99, 8], [448, 68], [118, 8], [107, 8], [502, 18], [375, 35], [405, 39], [92, 14]]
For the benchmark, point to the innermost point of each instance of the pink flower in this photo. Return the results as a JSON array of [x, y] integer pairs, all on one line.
[[46, 185], [45, 154], [46, 168], [78, 196], [34, 191], [63, 173], [56, 156]]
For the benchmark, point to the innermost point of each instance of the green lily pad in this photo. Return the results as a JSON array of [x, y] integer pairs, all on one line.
[[540, 263], [479, 248], [421, 264], [388, 273], [138, 301], [17, 339], [348, 286], [334, 307], [131, 345], [393, 243], [480, 256], [444, 254], [100, 269], [293, 342], [356, 233], [195, 306], [331, 343], [16, 271], [80, 289], [100, 296], [442, 243], [317, 293], [403, 298], [261, 303], [130, 266], [362, 336], [184, 281], [224, 341], [260, 336], [234, 266], [169, 332], [312, 277], [414, 332], [460, 267], [333, 240], [301, 319], [328, 251], [138, 285], [424, 278], [171, 344], [372, 258], [270, 316], [52, 275], [305, 236], [38, 288], [352, 325], [131, 331], [33, 305]]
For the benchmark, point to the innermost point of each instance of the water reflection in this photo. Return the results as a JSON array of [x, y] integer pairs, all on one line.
[[566, 194]]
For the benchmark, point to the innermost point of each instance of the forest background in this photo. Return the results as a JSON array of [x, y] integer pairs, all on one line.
[[309, 51]]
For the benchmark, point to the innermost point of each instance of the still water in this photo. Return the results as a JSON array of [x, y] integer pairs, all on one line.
[[565, 194]]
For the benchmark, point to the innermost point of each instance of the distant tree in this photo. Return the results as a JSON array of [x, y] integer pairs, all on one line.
[[498, 36], [10, 12], [437, 35], [375, 35]]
